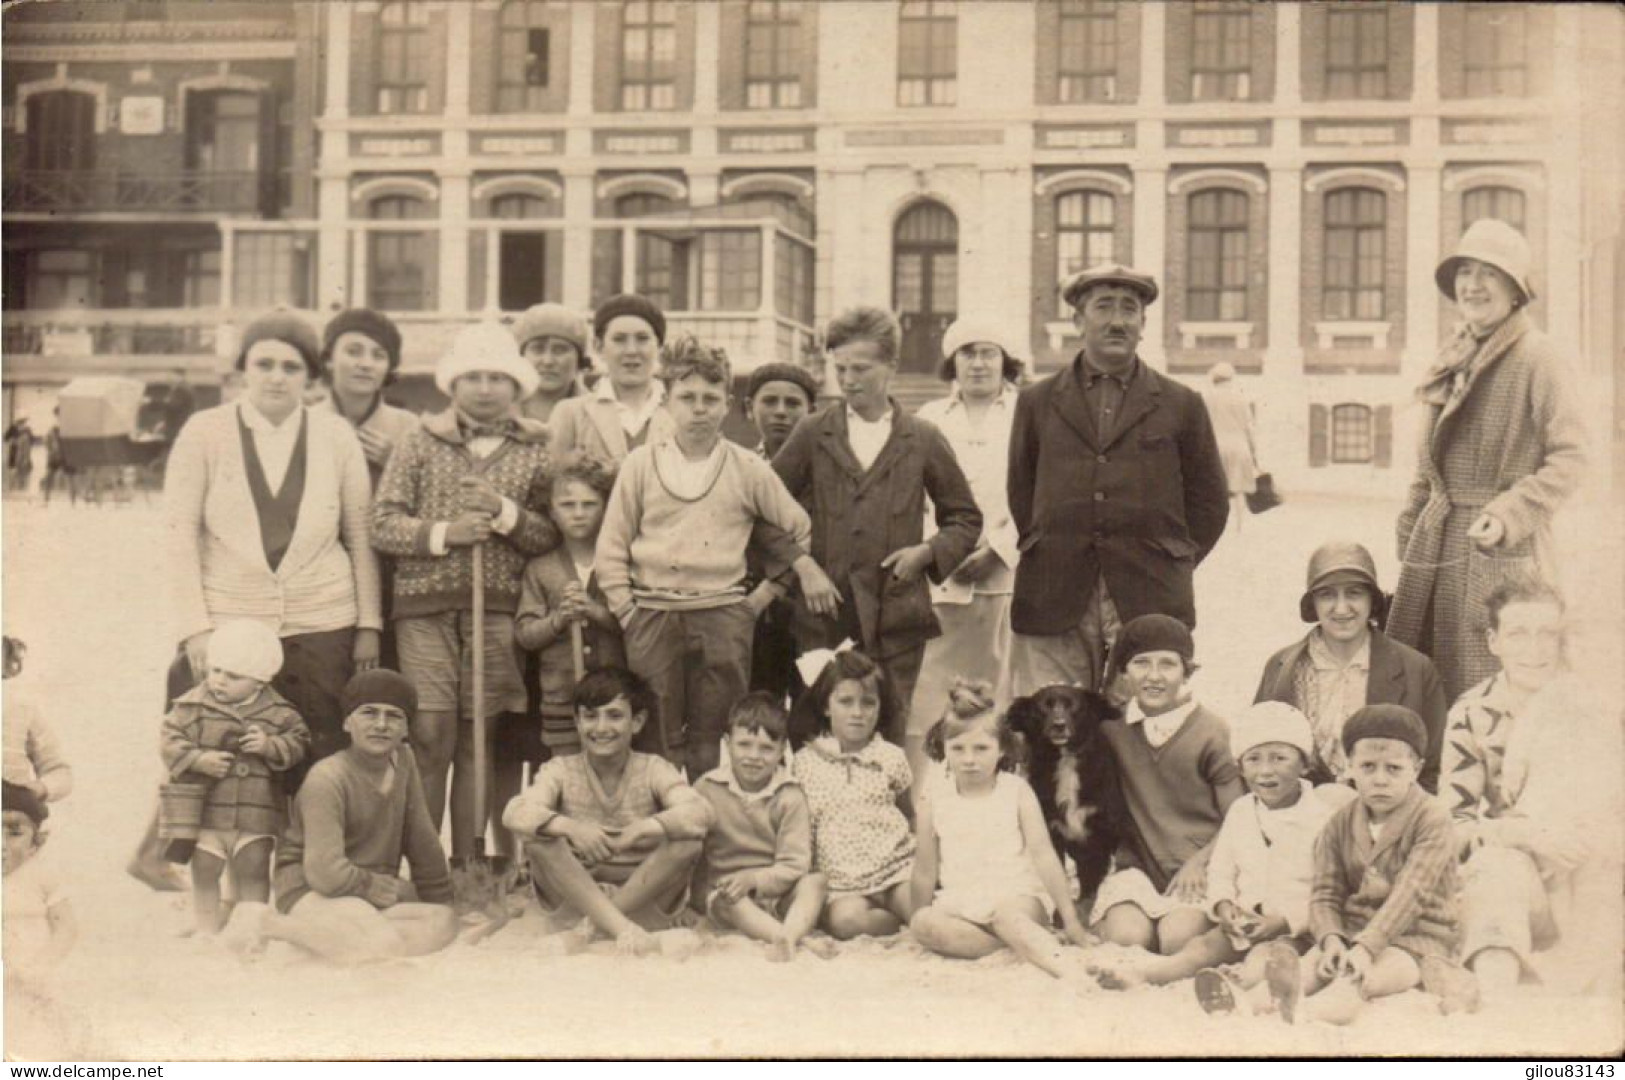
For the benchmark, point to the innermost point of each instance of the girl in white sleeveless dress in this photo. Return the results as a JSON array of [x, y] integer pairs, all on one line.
[[986, 875]]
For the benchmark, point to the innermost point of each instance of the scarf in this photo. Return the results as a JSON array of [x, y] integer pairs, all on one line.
[[472, 429], [1464, 355]]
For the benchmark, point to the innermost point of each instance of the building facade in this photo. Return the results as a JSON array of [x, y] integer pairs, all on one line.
[[1292, 173]]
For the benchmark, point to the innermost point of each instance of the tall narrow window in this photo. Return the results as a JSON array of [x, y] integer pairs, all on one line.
[[1088, 51], [271, 268], [773, 54], [927, 52], [398, 261], [1218, 256], [730, 270], [657, 275], [403, 58], [648, 55], [1497, 56], [1501, 203], [1221, 56], [1084, 232], [523, 67], [61, 132], [1356, 230], [1357, 51]]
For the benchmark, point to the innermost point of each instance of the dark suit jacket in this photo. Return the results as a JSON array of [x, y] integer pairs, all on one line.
[[1143, 507], [1399, 676], [858, 518]]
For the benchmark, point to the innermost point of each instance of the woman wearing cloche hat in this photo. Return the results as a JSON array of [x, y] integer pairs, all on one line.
[[1345, 662], [1504, 447]]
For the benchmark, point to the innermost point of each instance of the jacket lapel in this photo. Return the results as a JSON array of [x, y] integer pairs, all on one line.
[[318, 478], [1398, 823], [833, 441], [897, 444], [1070, 405], [1386, 679], [607, 421], [1143, 396]]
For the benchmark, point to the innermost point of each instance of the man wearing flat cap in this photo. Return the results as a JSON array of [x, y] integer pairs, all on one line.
[[1116, 487]]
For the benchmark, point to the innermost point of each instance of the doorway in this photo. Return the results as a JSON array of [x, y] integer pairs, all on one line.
[[925, 281], [521, 270]]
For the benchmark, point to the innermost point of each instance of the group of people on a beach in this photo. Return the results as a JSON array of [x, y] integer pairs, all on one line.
[[765, 689]]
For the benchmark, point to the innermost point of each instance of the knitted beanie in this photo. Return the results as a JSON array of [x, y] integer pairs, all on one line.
[[629, 304], [552, 320], [1271, 722], [485, 346], [380, 686], [246, 647], [1386, 722], [376, 325], [1153, 633], [779, 372], [286, 327], [16, 797]]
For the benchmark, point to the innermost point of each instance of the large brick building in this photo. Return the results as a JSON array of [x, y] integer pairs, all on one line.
[[1292, 173]]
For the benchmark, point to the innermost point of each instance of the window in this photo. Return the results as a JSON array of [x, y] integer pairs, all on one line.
[[403, 58], [773, 54], [1084, 224], [200, 275], [1353, 440], [1356, 227], [223, 132], [1501, 203], [398, 262], [1221, 59], [730, 270], [793, 289], [522, 66], [520, 206], [655, 276], [61, 279], [927, 58], [1497, 60], [270, 269], [1088, 43], [1357, 52], [1218, 256], [61, 131], [648, 55]]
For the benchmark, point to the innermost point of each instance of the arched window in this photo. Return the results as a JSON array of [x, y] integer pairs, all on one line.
[[1353, 439], [519, 206], [925, 281], [1356, 241], [1217, 264], [524, 61], [1085, 224], [403, 58], [399, 261], [1494, 201], [61, 132]]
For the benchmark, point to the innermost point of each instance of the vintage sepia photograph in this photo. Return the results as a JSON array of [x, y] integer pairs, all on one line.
[[768, 529]]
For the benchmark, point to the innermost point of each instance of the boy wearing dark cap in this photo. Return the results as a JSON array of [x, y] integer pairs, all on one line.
[[625, 410], [1384, 905], [1178, 778], [776, 398], [338, 889]]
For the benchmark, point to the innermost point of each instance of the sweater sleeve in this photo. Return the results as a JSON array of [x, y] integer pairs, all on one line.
[[1326, 888], [396, 528], [355, 522], [178, 742], [1425, 865], [1223, 878], [431, 876], [684, 814], [1464, 761], [535, 533], [959, 522], [45, 754], [792, 844], [773, 501], [327, 865], [287, 746], [186, 483], [533, 626], [528, 812], [1528, 504], [612, 562]]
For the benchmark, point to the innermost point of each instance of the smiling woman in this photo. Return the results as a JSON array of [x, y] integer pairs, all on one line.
[[361, 352]]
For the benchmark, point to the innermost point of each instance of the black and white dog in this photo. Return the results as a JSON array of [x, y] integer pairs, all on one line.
[[1071, 769]]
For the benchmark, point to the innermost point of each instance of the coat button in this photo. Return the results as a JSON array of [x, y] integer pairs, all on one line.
[[240, 769], [1100, 496], [1102, 459]]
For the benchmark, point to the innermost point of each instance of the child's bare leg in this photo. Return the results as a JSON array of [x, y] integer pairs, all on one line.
[[206, 870], [1180, 926], [951, 935], [422, 928], [806, 902], [1126, 924], [749, 919], [348, 930], [1022, 924], [1498, 971], [899, 900], [434, 742], [1393, 972], [251, 869], [848, 917], [659, 877], [1202, 951], [556, 866]]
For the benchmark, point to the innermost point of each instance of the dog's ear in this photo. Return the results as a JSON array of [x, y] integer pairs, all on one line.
[[1024, 716]]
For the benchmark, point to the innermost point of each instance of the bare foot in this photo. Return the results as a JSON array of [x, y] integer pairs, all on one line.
[[579, 936], [822, 947], [1456, 987], [1339, 1003], [678, 944], [1282, 975], [636, 941], [1119, 975], [157, 875], [781, 951], [244, 932]]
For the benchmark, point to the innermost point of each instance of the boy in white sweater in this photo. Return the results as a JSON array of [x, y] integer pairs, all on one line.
[[671, 558]]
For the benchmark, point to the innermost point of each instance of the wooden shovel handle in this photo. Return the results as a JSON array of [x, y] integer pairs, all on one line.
[[480, 764], [578, 650]]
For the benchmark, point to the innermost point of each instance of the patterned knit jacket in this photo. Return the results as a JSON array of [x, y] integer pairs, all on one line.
[[420, 488]]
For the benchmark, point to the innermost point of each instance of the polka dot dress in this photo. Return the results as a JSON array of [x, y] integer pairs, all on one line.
[[861, 841]]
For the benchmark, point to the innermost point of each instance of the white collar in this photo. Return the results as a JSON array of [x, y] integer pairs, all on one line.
[[258, 422], [605, 391], [1321, 656], [852, 418], [1170, 720], [1006, 397], [723, 775]]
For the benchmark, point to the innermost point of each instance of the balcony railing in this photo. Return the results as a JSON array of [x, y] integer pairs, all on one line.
[[42, 190], [157, 332]]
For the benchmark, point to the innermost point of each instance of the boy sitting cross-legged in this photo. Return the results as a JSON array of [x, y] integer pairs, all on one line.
[[611, 835], [1383, 908], [756, 871]]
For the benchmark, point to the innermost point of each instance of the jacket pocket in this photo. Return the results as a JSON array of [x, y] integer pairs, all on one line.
[[905, 610]]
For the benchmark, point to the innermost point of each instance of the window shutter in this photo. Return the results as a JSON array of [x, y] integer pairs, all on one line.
[[1047, 55], [606, 55], [1318, 424], [476, 269], [683, 28], [1539, 48], [731, 46], [438, 62], [484, 40], [809, 56], [1312, 43], [1383, 436], [364, 61], [1401, 51], [1263, 53], [1452, 50], [1128, 53], [1178, 52]]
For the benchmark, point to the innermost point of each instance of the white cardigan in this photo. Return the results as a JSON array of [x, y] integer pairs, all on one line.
[[327, 580]]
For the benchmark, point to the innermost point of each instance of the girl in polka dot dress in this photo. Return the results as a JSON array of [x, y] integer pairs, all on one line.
[[857, 784]]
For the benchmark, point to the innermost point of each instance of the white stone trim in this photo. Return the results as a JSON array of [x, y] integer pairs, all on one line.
[[60, 81], [632, 183], [1081, 179], [220, 81], [368, 190], [1376, 332], [1347, 177], [1239, 332], [1202, 178], [775, 182], [1521, 177], [517, 185]]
